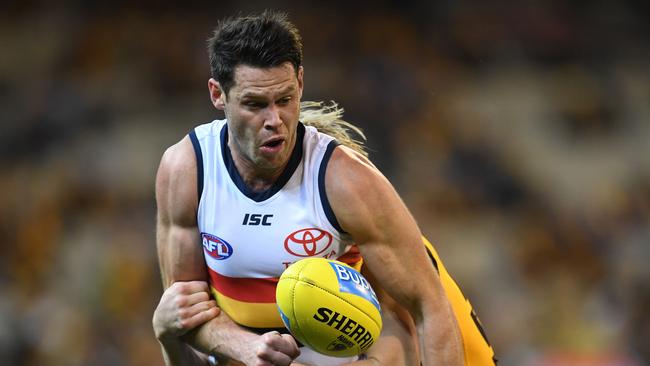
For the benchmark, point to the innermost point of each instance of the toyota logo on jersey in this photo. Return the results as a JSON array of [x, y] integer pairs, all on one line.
[[308, 242], [216, 247]]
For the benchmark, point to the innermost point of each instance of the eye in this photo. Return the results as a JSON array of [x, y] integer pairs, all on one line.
[[284, 101], [251, 104]]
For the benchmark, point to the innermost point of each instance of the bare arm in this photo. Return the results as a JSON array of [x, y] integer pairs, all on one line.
[[182, 307], [181, 259], [368, 208], [393, 348], [397, 344]]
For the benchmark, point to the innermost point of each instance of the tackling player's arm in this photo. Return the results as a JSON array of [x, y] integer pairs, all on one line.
[[370, 210], [181, 259], [182, 307], [397, 344]]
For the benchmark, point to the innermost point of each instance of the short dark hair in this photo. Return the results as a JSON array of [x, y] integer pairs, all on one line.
[[265, 40]]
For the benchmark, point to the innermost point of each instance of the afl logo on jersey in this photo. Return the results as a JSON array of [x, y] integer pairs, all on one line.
[[216, 247], [308, 242]]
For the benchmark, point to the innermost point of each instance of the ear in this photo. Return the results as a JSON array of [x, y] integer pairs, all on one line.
[[300, 80], [217, 95]]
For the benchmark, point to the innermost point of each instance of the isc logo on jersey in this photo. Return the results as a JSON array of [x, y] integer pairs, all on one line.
[[353, 282], [216, 247]]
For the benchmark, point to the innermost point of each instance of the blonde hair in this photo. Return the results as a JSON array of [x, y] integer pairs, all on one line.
[[328, 119]]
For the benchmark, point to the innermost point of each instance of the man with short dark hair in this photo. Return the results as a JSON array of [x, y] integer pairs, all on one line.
[[246, 185]]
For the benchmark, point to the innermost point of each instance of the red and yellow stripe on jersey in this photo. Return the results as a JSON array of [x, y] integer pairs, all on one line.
[[250, 302], [478, 351]]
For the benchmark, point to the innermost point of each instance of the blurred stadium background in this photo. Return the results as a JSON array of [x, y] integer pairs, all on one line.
[[518, 132]]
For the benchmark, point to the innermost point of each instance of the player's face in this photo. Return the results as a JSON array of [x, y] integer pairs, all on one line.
[[262, 108]]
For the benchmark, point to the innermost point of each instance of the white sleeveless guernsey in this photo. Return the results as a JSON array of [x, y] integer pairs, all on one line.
[[249, 237]]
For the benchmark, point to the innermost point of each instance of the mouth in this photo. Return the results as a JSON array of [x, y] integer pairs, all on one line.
[[273, 145]]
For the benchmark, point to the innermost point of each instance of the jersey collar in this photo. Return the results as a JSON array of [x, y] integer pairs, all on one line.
[[294, 161]]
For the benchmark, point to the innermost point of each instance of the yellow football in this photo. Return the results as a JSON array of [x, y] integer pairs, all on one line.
[[329, 307]]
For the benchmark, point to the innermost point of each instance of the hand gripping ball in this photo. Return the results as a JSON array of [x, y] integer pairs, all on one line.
[[329, 306]]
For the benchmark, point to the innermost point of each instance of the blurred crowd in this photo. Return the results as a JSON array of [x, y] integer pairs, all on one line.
[[517, 132]]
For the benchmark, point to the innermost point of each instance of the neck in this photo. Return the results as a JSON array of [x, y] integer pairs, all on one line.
[[257, 178]]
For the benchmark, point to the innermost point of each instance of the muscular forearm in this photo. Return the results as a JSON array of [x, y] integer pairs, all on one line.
[[222, 336], [439, 337], [176, 352]]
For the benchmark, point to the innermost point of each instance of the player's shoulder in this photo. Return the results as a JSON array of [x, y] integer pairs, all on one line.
[[351, 175], [181, 156], [345, 159], [178, 158], [176, 187]]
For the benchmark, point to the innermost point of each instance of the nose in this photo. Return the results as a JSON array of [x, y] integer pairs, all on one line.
[[272, 119]]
